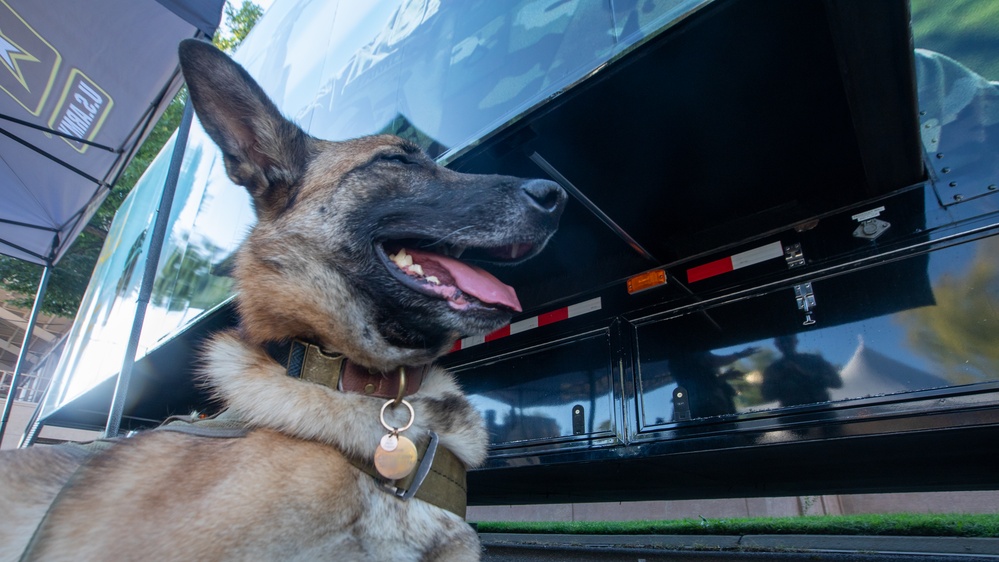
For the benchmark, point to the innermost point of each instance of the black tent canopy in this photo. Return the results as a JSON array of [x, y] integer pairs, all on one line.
[[81, 86]]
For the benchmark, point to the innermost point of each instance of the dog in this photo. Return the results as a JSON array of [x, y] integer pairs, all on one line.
[[348, 287]]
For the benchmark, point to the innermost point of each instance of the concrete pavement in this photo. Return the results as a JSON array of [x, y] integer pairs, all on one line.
[[942, 547]]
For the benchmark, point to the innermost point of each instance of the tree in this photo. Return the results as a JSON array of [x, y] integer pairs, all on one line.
[[955, 333], [71, 275], [964, 30], [238, 22]]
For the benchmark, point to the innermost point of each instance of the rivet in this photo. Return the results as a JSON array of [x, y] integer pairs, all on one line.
[[953, 184], [958, 197], [945, 169], [992, 187], [369, 388], [939, 154]]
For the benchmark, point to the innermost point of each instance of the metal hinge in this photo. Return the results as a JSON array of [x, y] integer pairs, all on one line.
[[794, 256]]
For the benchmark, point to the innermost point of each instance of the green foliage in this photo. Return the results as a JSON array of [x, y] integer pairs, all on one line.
[[950, 333], [893, 524], [964, 30], [71, 275], [238, 23], [66, 284], [192, 279]]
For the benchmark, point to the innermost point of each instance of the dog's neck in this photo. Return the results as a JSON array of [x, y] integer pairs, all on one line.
[[257, 389], [309, 362], [320, 405]]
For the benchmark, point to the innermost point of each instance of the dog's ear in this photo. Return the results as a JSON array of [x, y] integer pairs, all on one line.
[[263, 151]]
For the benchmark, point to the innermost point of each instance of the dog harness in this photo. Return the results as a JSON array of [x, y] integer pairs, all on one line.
[[439, 475]]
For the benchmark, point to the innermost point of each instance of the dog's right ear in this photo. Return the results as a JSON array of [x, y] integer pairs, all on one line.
[[263, 151]]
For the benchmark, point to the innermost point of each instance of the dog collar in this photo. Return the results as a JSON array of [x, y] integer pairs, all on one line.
[[309, 362], [439, 477]]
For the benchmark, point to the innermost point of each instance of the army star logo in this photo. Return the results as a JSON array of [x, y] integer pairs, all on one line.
[[28, 63], [12, 56]]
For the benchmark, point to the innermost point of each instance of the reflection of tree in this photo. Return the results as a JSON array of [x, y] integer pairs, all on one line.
[[962, 29], [189, 278], [747, 388], [131, 260], [959, 332]]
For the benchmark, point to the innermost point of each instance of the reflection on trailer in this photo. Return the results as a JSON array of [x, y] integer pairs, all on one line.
[[778, 274]]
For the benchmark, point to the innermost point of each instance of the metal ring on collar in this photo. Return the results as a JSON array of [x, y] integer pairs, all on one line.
[[412, 416]]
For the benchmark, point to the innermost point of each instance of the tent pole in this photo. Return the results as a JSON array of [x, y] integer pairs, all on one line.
[[149, 273], [34, 426], [25, 344]]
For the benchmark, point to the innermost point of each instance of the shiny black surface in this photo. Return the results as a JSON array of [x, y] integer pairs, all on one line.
[[747, 125], [576, 399], [713, 132]]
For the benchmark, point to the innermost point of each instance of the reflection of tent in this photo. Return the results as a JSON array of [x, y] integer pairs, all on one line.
[[871, 373], [81, 86]]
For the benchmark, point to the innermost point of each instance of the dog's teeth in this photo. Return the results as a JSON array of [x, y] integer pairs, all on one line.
[[433, 279], [415, 268], [513, 250], [402, 259], [456, 251]]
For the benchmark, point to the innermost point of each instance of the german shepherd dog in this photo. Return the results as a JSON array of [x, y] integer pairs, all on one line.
[[349, 286]]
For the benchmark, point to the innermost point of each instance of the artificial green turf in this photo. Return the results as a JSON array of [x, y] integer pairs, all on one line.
[[905, 524]]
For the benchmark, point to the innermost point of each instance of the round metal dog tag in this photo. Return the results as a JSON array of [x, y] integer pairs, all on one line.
[[398, 462], [389, 441]]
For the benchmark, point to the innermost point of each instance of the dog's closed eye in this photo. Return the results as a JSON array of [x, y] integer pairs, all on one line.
[[397, 158]]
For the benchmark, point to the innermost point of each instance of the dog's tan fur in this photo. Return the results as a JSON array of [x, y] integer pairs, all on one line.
[[288, 490]]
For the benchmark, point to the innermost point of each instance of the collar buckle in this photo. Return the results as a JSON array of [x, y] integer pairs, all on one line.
[[420, 474], [308, 362]]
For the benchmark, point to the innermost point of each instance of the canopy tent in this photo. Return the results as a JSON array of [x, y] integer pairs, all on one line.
[[82, 86]]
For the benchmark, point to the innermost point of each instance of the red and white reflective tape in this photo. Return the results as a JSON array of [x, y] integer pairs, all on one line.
[[737, 261], [519, 326]]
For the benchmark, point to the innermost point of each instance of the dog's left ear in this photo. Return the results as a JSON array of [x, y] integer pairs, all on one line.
[[263, 151]]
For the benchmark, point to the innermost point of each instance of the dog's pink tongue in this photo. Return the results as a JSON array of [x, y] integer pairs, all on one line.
[[473, 280]]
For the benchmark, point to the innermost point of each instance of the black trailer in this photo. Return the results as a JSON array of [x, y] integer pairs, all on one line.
[[779, 274]]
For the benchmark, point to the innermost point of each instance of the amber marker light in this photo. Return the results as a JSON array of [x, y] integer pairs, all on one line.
[[646, 281]]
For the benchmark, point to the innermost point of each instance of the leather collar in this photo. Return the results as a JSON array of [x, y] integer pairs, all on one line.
[[440, 476], [309, 362]]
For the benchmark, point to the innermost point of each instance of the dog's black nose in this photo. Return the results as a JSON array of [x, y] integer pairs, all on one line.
[[546, 195]]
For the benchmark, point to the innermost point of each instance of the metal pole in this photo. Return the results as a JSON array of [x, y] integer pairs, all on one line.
[[149, 273], [591, 206], [34, 426], [23, 354]]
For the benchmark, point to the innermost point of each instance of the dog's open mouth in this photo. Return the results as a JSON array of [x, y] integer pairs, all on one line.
[[438, 273]]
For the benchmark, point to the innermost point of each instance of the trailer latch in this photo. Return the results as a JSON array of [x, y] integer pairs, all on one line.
[[870, 226], [805, 297]]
